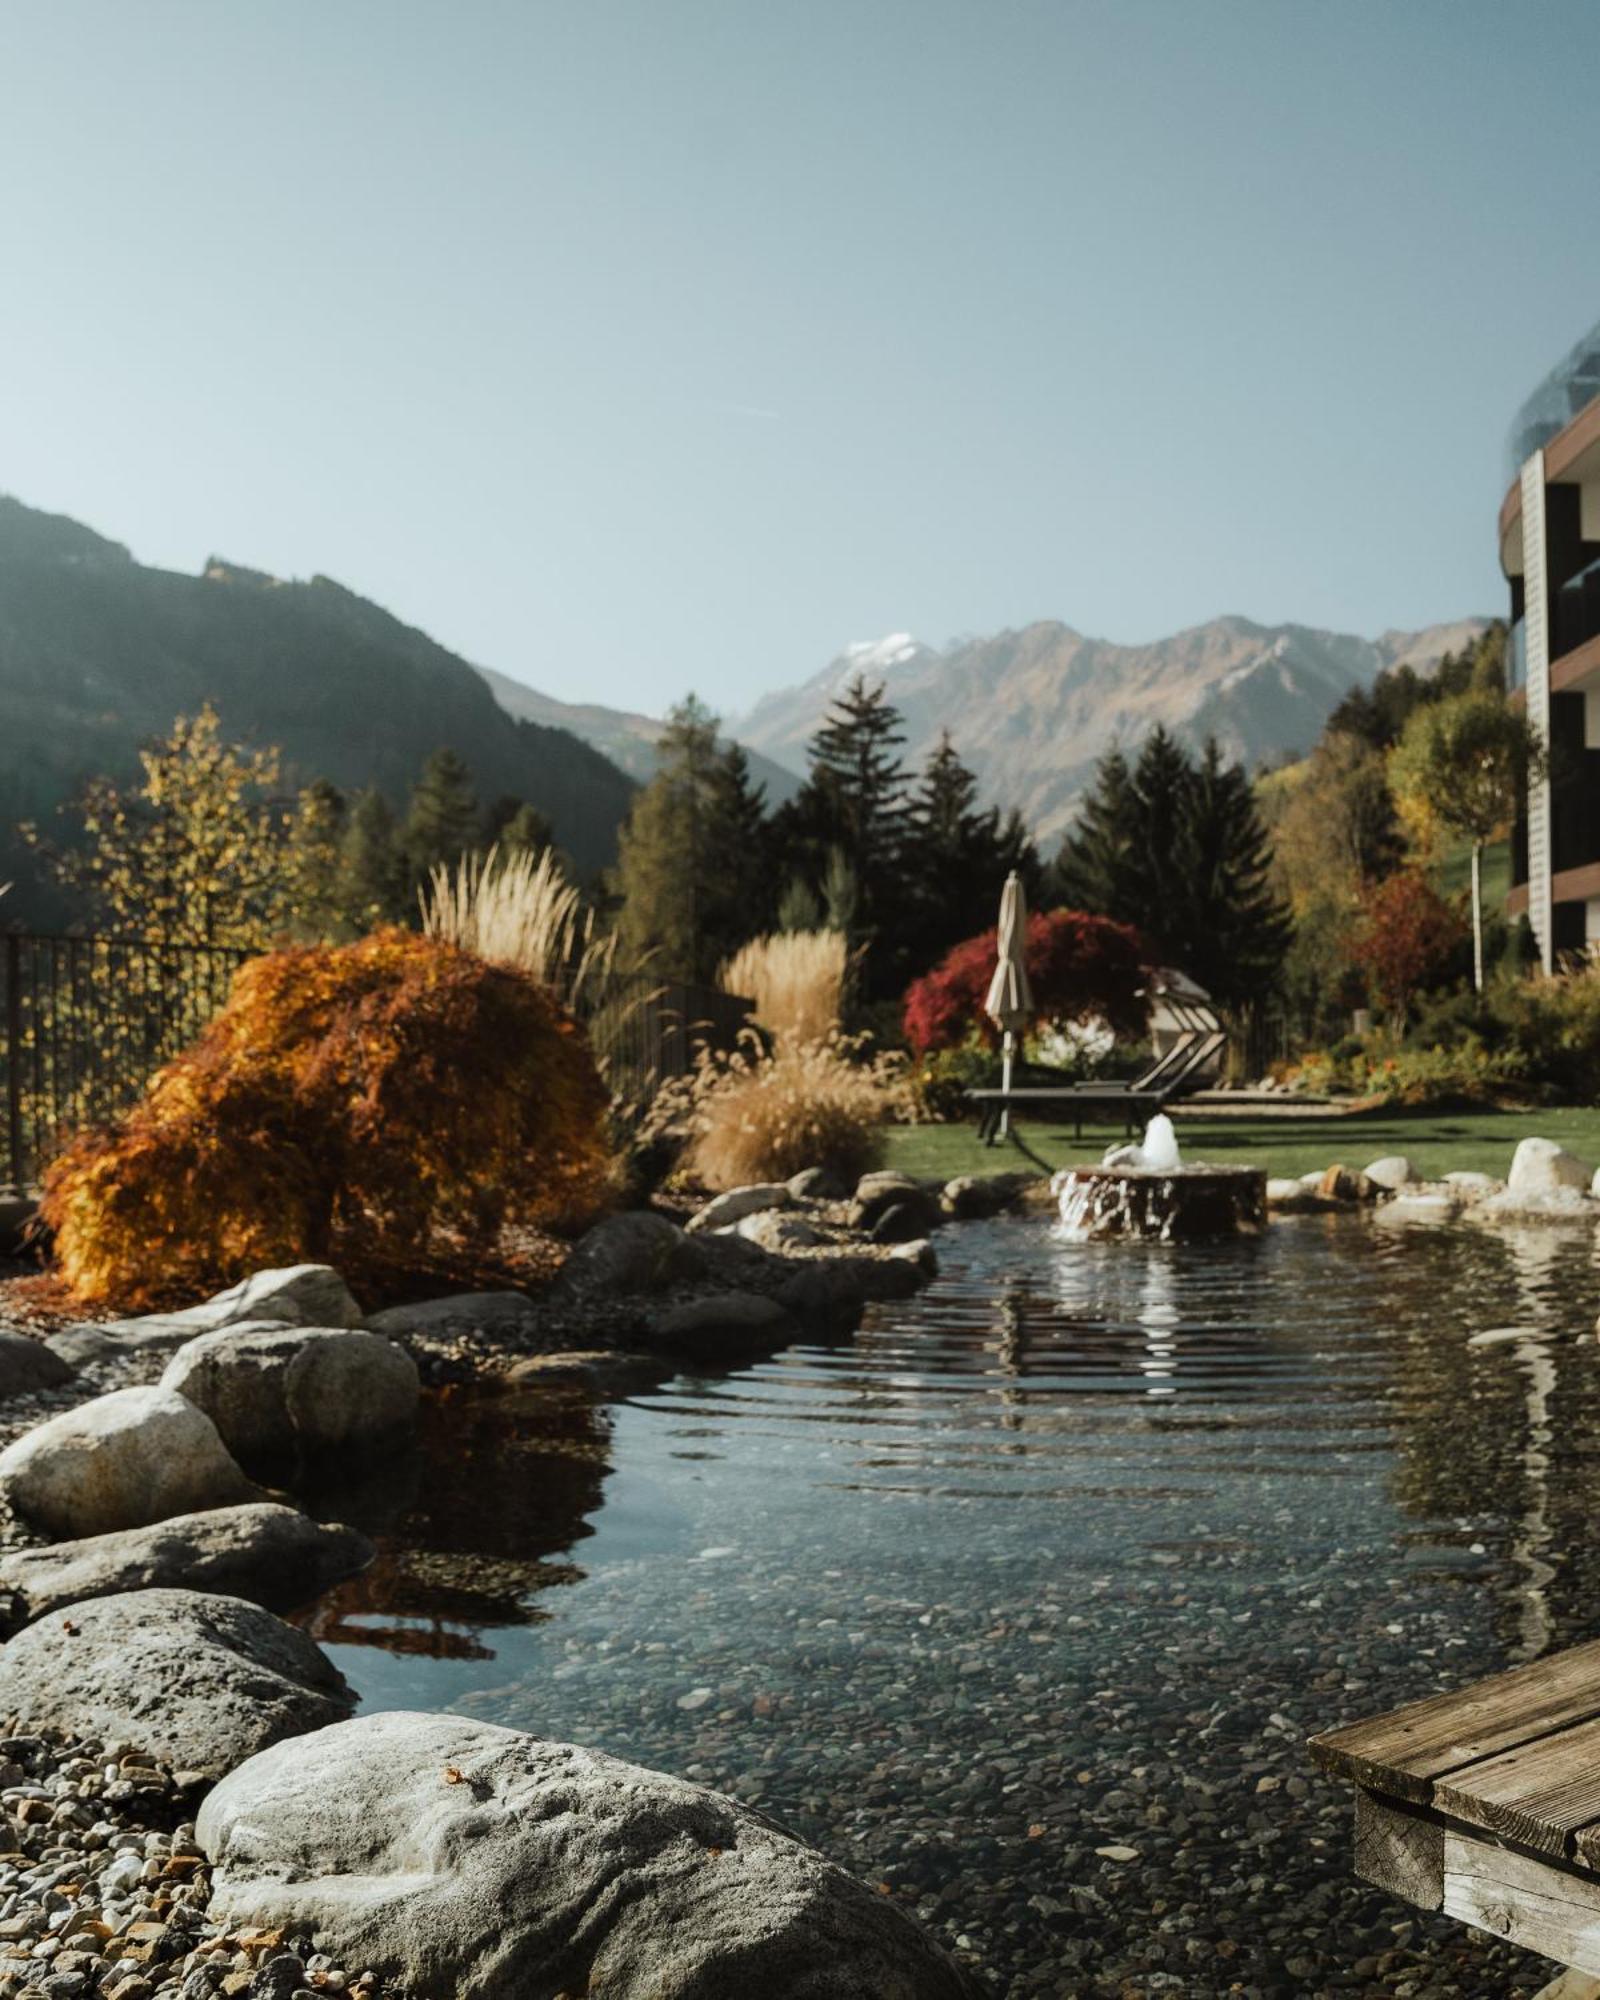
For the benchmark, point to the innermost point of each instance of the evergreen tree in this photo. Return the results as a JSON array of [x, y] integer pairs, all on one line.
[[442, 820], [516, 827], [692, 872], [372, 870], [316, 861], [800, 907], [1095, 866], [1238, 930], [854, 801], [957, 857]]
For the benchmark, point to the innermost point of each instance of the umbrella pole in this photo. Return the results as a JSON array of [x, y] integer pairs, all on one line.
[[1006, 1049]]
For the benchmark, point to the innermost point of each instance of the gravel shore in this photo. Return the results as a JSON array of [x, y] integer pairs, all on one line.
[[103, 1890]]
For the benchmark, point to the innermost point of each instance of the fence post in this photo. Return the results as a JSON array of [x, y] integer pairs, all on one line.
[[13, 976]]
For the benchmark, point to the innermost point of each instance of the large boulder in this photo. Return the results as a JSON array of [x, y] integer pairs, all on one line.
[[453, 1856], [459, 1312], [1540, 1166], [278, 1392], [636, 1252], [877, 1193], [198, 1682], [973, 1197], [773, 1230], [122, 1461], [27, 1364], [723, 1210], [726, 1323], [269, 1554], [296, 1295], [1393, 1172]]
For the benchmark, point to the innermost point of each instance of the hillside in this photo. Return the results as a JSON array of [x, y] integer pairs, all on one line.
[[98, 652], [629, 740], [1032, 710]]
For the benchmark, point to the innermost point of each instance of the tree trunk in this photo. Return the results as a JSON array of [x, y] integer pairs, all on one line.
[[1477, 916]]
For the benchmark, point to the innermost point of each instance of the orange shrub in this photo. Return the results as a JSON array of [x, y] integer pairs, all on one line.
[[391, 1107]]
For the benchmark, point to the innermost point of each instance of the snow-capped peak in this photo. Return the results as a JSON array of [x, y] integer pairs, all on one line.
[[879, 655]]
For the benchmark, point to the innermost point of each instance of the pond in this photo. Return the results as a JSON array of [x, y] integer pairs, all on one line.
[[1022, 1602]]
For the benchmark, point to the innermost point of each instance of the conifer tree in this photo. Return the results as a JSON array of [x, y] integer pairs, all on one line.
[[516, 827], [372, 871], [442, 820], [316, 861], [1095, 866], [1238, 930], [692, 870], [958, 856]]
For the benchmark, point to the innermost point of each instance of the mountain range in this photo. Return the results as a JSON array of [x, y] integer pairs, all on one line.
[[1032, 710], [99, 652], [628, 739]]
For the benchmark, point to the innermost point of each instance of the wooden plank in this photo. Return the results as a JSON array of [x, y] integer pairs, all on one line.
[[1529, 1903], [1403, 1752], [1570, 1985], [1401, 1849], [1540, 1793]]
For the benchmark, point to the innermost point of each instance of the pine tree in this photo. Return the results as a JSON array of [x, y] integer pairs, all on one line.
[[1238, 930], [957, 857], [442, 820], [855, 801], [1097, 868], [372, 870], [692, 870], [516, 827], [316, 861]]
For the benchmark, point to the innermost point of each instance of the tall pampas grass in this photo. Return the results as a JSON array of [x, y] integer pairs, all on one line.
[[516, 909], [796, 979]]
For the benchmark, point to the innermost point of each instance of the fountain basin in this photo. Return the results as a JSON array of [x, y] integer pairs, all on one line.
[[1103, 1202]]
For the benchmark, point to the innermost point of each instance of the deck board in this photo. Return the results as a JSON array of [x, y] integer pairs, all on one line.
[[1405, 1752]]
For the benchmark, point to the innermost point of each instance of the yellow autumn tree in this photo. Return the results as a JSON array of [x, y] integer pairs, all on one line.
[[200, 850]]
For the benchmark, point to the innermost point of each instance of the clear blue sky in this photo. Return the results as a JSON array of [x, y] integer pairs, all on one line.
[[634, 345]]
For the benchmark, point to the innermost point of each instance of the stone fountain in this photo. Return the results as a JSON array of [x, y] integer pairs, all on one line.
[[1147, 1191]]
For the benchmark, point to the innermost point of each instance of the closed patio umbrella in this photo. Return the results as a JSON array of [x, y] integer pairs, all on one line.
[[1010, 999]]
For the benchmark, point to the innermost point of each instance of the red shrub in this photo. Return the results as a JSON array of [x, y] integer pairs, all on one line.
[[1408, 939], [1081, 968]]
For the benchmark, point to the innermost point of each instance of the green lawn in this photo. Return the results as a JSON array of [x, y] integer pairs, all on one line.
[[1435, 1142]]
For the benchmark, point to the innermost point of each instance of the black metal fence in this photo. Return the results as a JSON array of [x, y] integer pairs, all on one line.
[[86, 1021]]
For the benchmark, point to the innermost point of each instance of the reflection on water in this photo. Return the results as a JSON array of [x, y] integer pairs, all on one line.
[[1073, 1549]]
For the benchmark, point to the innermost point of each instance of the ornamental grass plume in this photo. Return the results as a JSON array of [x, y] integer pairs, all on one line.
[[516, 909], [394, 1106], [796, 979], [760, 1117]]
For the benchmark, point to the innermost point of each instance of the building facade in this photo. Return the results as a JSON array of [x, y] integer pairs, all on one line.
[[1550, 553]]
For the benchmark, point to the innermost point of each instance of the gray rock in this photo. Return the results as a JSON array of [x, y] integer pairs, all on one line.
[[461, 1312], [598, 1370], [27, 1364], [877, 1193], [723, 1210], [971, 1197], [901, 1223], [122, 1461], [200, 1682], [777, 1232], [1414, 1205], [276, 1392], [817, 1184], [271, 1555], [1393, 1171], [1540, 1167], [297, 1295], [458, 1857], [1292, 1197], [637, 1252], [919, 1254], [723, 1324], [1472, 1186]]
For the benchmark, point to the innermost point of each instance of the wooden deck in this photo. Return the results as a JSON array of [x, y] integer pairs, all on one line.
[[1486, 1805]]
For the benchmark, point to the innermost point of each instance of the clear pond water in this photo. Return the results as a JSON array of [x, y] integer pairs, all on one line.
[[1069, 1553]]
